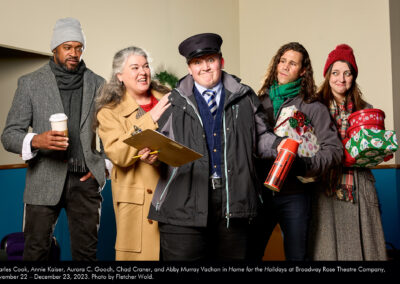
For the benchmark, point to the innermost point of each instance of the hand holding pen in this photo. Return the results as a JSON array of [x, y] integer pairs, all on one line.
[[147, 156]]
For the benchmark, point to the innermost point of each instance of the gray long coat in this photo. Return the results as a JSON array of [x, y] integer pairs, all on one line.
[[345, 231], [36, 98]]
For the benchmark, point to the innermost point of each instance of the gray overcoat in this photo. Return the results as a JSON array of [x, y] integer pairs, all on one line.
[[36, 98], [344, 231]]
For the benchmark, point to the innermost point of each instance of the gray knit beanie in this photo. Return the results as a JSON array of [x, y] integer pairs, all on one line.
[[67, 29]]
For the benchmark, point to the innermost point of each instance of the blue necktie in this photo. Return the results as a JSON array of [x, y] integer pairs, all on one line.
[[211, 102]]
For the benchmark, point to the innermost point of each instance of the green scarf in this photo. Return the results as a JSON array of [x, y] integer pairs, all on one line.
[[279, 93]]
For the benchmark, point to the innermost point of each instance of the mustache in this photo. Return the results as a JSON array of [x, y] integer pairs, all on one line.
[[75, 58]]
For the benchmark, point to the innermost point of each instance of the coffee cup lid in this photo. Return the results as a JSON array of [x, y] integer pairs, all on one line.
[[58, 117]]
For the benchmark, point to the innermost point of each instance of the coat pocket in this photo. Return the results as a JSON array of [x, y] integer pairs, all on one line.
[[129, 219], [128, 194]]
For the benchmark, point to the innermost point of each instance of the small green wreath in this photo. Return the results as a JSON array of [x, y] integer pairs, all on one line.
[[166, 78]]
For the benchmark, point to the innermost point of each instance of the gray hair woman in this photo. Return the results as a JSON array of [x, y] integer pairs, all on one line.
[[128, 101], [112, 92]]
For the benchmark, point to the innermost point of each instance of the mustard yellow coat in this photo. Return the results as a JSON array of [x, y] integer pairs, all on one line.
[[132, 181]]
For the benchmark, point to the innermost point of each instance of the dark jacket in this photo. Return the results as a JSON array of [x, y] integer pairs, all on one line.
[[181, 196], [331, 149]]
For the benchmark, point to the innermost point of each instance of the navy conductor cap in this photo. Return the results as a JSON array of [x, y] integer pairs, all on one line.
[[199, 45]]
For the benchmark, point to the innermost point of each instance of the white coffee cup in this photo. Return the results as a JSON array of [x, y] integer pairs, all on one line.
[[59, 122]]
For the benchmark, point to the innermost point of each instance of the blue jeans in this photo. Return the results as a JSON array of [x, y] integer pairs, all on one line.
[[292, 213]]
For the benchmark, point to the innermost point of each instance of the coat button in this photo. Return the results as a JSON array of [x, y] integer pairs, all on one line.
[[149, 191], [150, 221]]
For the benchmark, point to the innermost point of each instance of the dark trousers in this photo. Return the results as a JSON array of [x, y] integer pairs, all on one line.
[[82, 203], [292, 213], [215, 242]]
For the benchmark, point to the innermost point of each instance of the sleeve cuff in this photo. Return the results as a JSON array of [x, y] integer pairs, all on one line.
[[27, 153], [109, 167], [276, 143]]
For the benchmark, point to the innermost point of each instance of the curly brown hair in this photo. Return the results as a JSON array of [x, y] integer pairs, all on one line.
[[325, 95], [308, 88]]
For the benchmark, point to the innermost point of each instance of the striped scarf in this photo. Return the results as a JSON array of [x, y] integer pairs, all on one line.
[[345, 189]]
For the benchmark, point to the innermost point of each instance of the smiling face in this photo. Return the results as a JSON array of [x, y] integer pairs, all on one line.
[[207, 69], [340, 79], [68, 55], [289, 68], [136, 75]]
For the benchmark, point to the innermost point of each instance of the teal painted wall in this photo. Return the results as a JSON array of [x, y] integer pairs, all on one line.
[[388, 188], [12, 184]]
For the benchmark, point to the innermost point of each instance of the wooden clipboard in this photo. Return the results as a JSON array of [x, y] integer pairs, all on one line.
[[170, 152]]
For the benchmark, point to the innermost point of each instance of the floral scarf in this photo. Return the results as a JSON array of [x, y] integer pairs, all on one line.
[[345, 188]]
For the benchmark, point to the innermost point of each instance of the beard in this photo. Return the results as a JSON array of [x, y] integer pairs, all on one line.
[[64, 64]]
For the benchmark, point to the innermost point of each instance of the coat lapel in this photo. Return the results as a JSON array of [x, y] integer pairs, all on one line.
[[49, 81], [128, 105], [89, 90]]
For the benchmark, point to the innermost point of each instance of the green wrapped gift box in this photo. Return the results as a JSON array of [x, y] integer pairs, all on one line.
[[370, 146]]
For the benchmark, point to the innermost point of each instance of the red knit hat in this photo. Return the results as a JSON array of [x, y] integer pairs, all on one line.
[[341, 52]]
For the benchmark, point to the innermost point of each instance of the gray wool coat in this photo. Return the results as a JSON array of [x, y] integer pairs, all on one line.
[[345, 231], [36, 98]]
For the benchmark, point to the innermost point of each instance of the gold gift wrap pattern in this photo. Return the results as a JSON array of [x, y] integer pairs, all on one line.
[[369, 147]]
